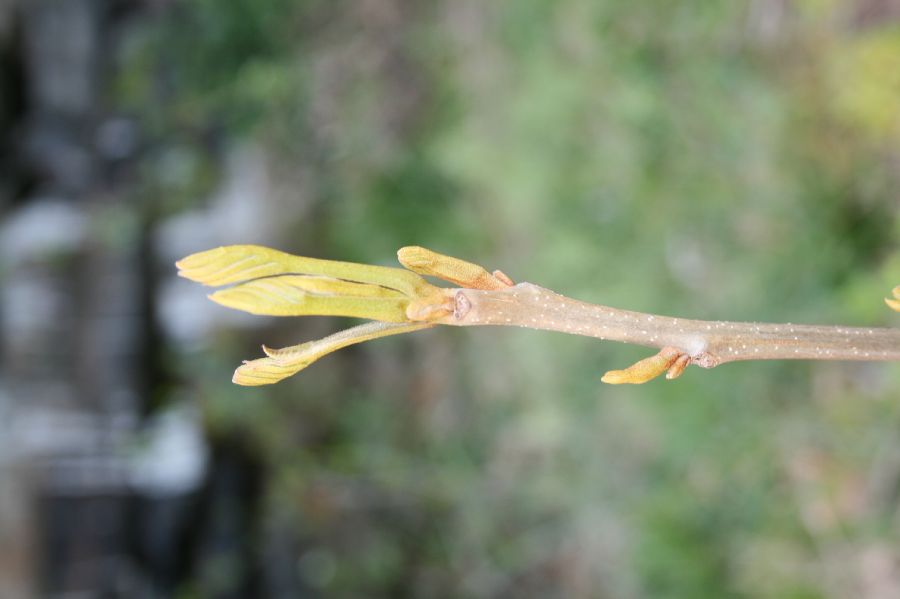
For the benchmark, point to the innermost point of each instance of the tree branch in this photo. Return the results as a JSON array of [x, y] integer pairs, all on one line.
[[266, 281], [709, 343]]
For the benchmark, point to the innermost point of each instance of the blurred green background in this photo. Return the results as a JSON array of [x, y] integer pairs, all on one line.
[[705, 159]]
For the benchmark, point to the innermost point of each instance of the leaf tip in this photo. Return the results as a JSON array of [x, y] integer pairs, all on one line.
[[459, 272], [614, 377], [414, 256]]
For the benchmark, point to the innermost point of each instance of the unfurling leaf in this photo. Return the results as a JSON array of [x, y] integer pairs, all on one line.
[[302, 295], [282, 363], [270, 282], [894, 303], [648, 368], [238, 263], [454, 270], [263, 371]]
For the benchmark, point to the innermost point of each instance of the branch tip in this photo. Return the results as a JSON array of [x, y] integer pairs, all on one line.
[[265, 281]]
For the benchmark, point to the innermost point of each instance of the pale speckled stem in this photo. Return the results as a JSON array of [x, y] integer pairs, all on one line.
[[709, 343]]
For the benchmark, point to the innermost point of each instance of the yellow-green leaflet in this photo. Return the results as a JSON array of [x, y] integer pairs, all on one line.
[[282, 363], [894, 303], [302, 295], [238, 263]]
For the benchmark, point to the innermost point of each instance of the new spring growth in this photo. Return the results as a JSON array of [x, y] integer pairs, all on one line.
[[894, 303], [264, 281]]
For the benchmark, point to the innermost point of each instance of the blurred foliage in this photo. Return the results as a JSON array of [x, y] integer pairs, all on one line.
[[866, 82], [697, 158]]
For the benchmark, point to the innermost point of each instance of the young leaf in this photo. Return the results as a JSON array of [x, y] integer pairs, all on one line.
[[646, 369], [301, 295], [448, 268], [238, 263], [282, 363], [263, 371], [894, 303]]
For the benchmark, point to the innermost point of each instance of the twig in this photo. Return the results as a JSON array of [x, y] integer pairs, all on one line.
[[707, 343], [266, 281]]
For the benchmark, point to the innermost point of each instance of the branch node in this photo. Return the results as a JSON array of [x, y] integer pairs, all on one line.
[[705, 360], [462, 305]]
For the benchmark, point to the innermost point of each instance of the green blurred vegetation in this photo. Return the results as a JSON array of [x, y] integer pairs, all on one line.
[[687, 158]]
